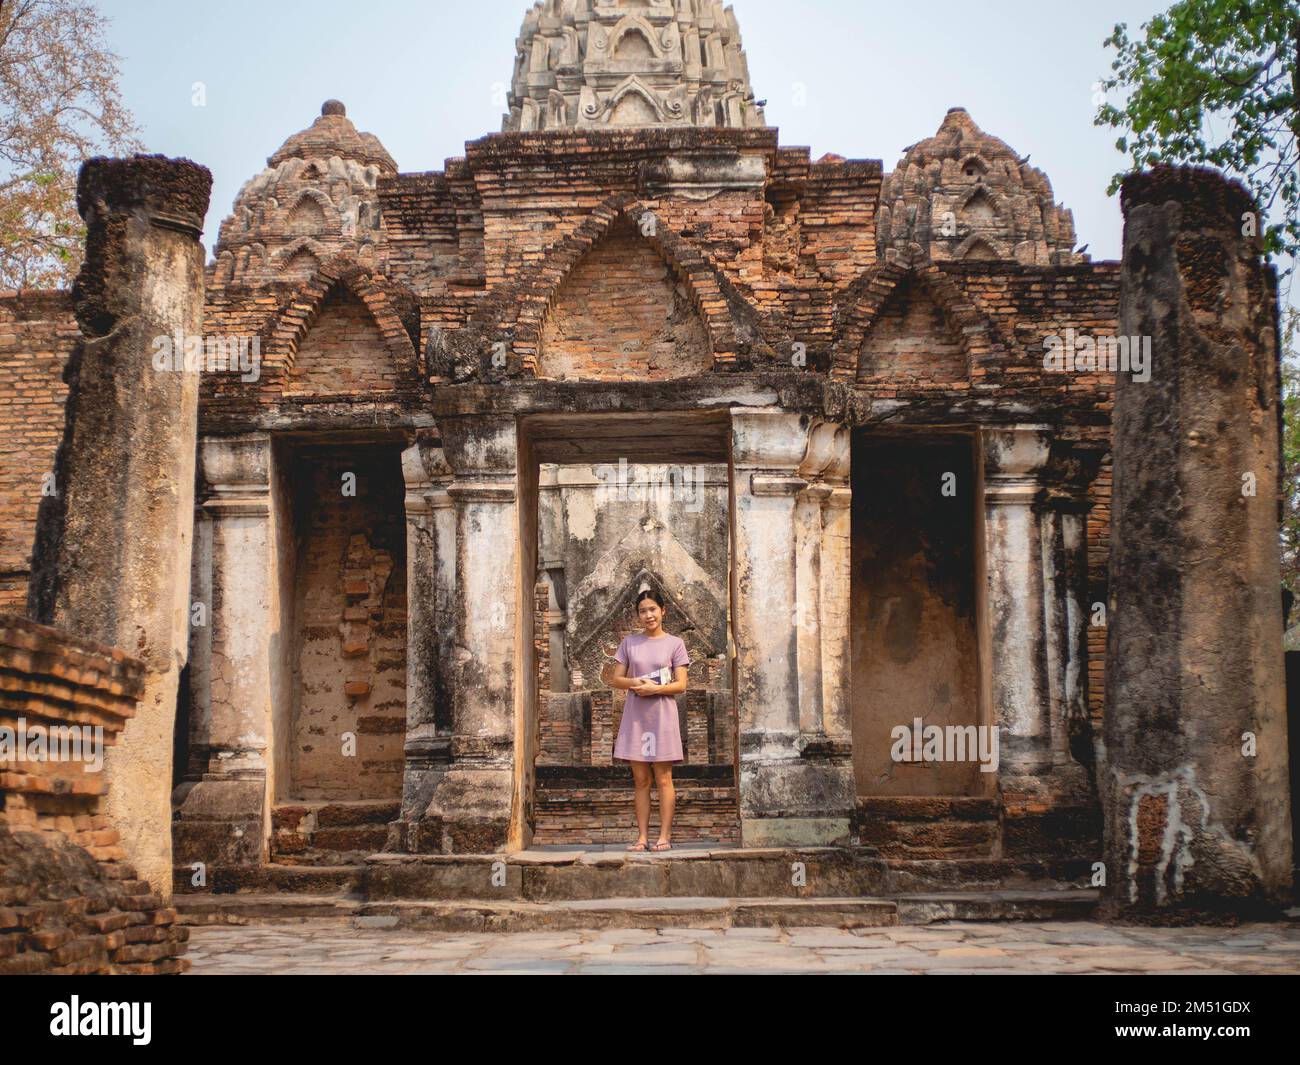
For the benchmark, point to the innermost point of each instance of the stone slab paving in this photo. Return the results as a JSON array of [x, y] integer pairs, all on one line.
[[313, 948]]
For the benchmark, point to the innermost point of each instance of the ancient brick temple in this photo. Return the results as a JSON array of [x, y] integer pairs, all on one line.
[[633, 341]]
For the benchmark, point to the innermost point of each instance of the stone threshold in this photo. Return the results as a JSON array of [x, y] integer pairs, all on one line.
[[727, 871], [486, 915], [618, 854]]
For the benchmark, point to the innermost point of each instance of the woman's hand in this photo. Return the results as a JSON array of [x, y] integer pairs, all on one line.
[[646, 688]]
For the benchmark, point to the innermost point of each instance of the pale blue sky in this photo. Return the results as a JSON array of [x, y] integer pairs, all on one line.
[[421, 76]]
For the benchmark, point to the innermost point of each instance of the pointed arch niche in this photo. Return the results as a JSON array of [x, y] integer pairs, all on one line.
[[910, 340], [623, 313]]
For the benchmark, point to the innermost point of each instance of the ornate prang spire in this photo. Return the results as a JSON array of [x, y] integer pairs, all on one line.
[[646, 63], [317, 198], [964, 194]]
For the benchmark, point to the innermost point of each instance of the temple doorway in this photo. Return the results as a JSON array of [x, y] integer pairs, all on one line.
[[623, 504], [915, 609]]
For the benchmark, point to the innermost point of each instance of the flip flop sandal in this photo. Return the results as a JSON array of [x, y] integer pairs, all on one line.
[[637, 847], [662, 847]]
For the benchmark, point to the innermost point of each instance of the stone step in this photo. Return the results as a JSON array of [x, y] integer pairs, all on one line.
[[1067, 905], [291, 880], [315, 879], [491, 915], [581, 815], [548, 875], [487, 915], [928, 827], [977, 874], [329, 846], [330, 833], [245, 908], [335, 814], [565, 873], [620, 776], [625, 796]]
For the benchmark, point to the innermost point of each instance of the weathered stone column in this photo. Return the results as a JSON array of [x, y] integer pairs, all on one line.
[[785, 797], [471, 804], [111, 560], [1014, 535], [1065, 556], [807, 605], [431, 583], [823, 558], [836, 592], [1061, 535], [1195, 783], [223, 820]]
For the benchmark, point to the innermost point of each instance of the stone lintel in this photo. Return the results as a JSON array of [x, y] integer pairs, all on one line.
[[703, 175], [790, 390]]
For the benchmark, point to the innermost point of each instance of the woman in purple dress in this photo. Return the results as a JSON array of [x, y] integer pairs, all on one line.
[[652, 669]]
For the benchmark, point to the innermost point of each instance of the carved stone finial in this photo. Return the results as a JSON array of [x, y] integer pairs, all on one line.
[[629, 64]]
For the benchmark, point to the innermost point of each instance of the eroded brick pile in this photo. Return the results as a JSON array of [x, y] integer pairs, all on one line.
[[69, 903]]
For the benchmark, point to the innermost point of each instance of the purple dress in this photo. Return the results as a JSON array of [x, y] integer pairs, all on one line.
[[649, 731]]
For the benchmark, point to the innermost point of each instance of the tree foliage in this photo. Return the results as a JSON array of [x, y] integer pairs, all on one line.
[[59, 105], [1216, 82]]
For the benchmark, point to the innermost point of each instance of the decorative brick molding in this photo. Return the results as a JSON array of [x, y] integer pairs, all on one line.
[[391, 305], [862, 303], [516, 311]]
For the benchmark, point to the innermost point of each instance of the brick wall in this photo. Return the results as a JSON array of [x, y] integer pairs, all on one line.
[[351, 606], [1098, 584], [37, 332]]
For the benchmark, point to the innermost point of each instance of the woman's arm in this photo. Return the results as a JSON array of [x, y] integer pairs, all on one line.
[[675, 688], [620, 679]]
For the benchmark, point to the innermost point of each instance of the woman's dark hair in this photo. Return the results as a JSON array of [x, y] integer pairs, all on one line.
[[650, 593]]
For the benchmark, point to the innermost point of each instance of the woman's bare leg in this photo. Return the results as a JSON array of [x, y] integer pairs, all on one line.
[[641, 782], [667, 799]]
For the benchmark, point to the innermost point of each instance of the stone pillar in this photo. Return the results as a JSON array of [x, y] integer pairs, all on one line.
[[1019, 598], [1195, 784], [431, 586], [223, 820], [111, 560], [836, 589], [471, 805], [1069, 604], [823, 559], [786, 797], [1062, 538], [808, 585]]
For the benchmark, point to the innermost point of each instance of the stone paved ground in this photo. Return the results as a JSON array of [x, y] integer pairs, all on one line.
[[1047, 947]]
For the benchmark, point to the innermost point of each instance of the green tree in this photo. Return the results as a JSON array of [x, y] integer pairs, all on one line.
[[59, 105], [1216, 82]]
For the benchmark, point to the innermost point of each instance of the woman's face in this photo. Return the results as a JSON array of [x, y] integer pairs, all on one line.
[[651, 614]]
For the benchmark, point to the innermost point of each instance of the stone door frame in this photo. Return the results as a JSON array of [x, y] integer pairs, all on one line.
[[670, 437], [789, 589]]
